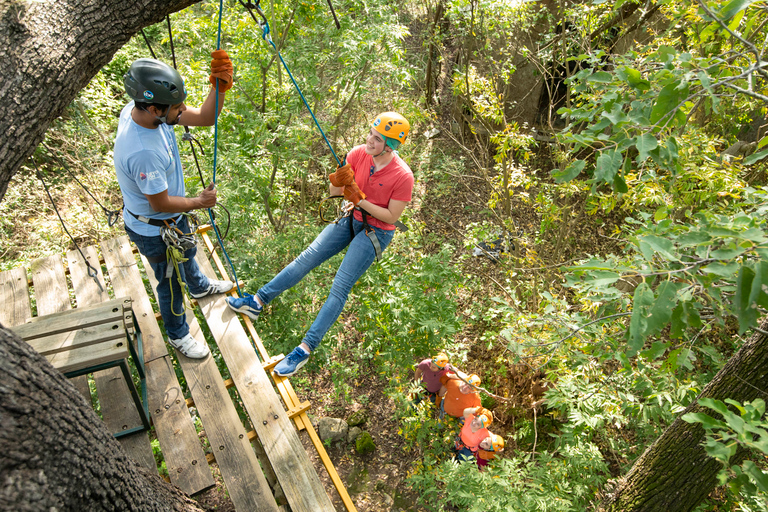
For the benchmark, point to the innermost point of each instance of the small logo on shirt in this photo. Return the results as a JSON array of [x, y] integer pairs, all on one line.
[[142, 176], [148, 95]]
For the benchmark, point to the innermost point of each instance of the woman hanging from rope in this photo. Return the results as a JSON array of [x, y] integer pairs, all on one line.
[[379, 184], [151, 179]]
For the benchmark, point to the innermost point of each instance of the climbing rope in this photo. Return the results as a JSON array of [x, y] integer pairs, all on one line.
[[215, 152], [112, 215], [264, 24], [92, 272]]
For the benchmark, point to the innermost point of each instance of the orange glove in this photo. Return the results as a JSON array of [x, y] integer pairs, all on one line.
[[221, 68], [343, 176], [353, 193]]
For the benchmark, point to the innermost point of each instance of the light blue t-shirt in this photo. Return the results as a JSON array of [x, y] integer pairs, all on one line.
[[146, 162]]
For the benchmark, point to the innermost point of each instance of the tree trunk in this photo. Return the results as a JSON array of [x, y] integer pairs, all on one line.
[[51, 50], [675, 473], [57, 454]]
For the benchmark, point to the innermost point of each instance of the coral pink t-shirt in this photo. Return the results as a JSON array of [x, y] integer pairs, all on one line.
[[393, 181], [471, 439]]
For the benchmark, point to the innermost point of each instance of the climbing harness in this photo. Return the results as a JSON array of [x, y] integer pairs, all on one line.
[[92, 272], [177, 243]]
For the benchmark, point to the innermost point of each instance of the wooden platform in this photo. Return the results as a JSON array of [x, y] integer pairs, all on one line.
[[271, 442]]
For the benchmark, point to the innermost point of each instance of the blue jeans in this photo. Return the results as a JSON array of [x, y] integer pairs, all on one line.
[[332, 240], [153, 247]]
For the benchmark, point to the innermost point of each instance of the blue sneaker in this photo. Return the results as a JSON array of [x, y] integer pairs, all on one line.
[[292, 362], [246, 305]]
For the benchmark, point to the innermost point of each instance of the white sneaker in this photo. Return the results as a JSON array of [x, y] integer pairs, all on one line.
[[190, 347], [214, 286]]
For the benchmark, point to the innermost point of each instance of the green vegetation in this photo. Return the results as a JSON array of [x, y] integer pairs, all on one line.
[[640, 259]]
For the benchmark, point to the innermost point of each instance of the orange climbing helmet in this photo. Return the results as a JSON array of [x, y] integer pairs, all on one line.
[[440, 360], [497, 442], [393, 127], [485, 417], [474, 380]]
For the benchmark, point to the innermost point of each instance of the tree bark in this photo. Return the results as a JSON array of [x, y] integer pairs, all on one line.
[[675, 473], [57, 454], [51, 50]]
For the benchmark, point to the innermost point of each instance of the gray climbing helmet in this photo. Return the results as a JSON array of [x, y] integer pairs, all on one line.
[[152, 81]]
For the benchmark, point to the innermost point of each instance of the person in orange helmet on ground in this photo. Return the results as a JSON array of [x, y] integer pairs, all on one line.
[[428, 372], [458, 395], [379, 185], [490, 447], [475, 429]]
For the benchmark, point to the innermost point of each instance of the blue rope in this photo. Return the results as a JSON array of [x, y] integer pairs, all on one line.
[[215, 146], [265, 35]]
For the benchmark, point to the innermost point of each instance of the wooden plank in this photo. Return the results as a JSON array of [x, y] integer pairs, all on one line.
[[70, 320], [294, 470], [71, 340], [15, 306], [286, 390], [82, 358], [117, 406], [181, 448], [52, 296], [239, 466]]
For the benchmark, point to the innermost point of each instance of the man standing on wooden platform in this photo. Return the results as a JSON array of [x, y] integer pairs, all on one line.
[[152, 182]]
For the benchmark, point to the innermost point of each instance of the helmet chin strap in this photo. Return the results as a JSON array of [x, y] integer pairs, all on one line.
[[164, 118], [383, 150]]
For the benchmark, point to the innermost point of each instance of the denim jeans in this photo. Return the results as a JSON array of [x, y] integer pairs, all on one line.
[[153, 247], [332, 240]]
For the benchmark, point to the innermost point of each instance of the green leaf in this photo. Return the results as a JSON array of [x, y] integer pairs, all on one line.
[[706, 420], [616, 115], [657, 350], [607, 164], [662, 246], [728, 253], [571, 171], [731, 8], [645, 144], [720, 451], [619, 184], [661, 312], [762, 142], [667, 100], [633, 78], [602, 77], [726, 269], [757, 294], [760, 478], [744, 309], [754, 157], [638, 323]]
